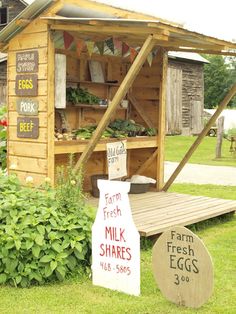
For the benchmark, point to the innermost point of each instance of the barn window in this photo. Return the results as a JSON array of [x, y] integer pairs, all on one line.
[[3, 16]]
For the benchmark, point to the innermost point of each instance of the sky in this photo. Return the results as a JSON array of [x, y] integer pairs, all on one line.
[[215, 18]]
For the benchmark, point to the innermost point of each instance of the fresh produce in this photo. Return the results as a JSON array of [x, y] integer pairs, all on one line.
[[80, 95], [116, 129]]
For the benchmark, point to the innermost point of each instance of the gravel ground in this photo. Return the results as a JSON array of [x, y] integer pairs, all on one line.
[[202, 174]]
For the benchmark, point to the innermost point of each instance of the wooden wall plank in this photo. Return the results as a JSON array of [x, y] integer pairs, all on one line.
[[36, 150], [36, 165], [13, 115], [43, 56], [42, 72], [42, 88], [28, 41], [38, 179], [41, 139], [42, 101]]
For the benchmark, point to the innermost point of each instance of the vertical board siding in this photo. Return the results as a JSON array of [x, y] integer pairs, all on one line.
[[174, 101], [28, 157]]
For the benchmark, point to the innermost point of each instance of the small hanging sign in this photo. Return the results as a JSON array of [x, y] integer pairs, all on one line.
[[117, 159], [27, 107], [115, 240], [26, 85], [27, 61], [183, 267], [27, 127]]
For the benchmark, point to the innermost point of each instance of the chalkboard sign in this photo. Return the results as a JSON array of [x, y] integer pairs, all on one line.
[[27, 127], [27, 61], [26, 106], [26, 85], [182, 267]]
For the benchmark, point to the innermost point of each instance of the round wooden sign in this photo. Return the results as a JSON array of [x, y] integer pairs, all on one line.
[[183, 267]]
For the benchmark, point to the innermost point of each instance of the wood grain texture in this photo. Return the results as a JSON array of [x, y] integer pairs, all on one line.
[[155, 212]]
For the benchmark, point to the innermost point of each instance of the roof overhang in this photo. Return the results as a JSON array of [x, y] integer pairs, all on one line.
[[136, 31], [89, 19]]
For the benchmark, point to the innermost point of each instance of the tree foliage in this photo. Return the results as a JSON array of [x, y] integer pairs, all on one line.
[[219, 76]]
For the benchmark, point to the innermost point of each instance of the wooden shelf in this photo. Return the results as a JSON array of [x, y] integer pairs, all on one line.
[[78, 146], [99, 107], [73, 80]]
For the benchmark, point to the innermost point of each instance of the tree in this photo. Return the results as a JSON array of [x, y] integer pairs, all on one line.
[[218, 78]]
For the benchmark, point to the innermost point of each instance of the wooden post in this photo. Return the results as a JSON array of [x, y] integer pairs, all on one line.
[[162, 122], [220, 132], [120, 94], [199, 139]]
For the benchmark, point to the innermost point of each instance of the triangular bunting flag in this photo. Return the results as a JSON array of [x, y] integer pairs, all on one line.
[[110, 44], [150, 58], [100, 46], [79, 46], [125, 48], [118, 44], [68, 40], [90, 46], [133, 54]]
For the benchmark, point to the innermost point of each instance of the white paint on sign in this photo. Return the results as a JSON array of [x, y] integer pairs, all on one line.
[[27, 107], [115, 240], [117, 159], [182, 267]]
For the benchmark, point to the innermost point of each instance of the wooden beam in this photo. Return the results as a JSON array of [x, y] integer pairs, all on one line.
[[210, 51], [192, 35], [51, 109], [109, 29], [140, 110], [148, 162], [120, 94], [161, 121], [201, 136]]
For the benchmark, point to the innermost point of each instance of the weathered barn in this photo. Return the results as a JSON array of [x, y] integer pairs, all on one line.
[[185, 93], [9, 9]]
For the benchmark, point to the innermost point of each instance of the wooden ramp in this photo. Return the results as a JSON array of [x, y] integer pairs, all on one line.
[[154, 212]]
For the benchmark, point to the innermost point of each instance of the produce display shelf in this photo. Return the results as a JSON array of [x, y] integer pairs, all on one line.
[[78, 146]]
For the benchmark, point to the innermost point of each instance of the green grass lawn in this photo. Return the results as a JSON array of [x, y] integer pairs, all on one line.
[[80, 296], [177, 146]]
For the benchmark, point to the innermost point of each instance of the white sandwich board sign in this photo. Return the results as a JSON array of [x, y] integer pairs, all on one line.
[[115, 240]]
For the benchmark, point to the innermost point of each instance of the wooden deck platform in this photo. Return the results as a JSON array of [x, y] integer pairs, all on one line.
[[154, 212]]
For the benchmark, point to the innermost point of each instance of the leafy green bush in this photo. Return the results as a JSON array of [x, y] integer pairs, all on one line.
[[3, 137], [41, 239]]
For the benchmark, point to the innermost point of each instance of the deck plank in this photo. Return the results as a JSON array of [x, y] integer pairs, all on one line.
[[155, 212]]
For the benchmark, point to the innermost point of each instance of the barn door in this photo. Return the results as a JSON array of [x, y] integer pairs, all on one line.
[[174, 101], [196, 116]]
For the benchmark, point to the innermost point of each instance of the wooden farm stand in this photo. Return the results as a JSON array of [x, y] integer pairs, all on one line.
[[40, 30]]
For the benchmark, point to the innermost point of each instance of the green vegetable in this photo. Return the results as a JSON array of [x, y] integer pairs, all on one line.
[[80, 95]]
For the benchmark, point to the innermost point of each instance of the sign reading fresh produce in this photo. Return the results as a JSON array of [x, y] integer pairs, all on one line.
[[26, 85], [183, 267], [116, 157], [115, 240], [27, 127]]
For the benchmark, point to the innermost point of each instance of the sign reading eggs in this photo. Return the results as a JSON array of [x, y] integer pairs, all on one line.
[[115, 240], [182, 267], [26, 85]]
